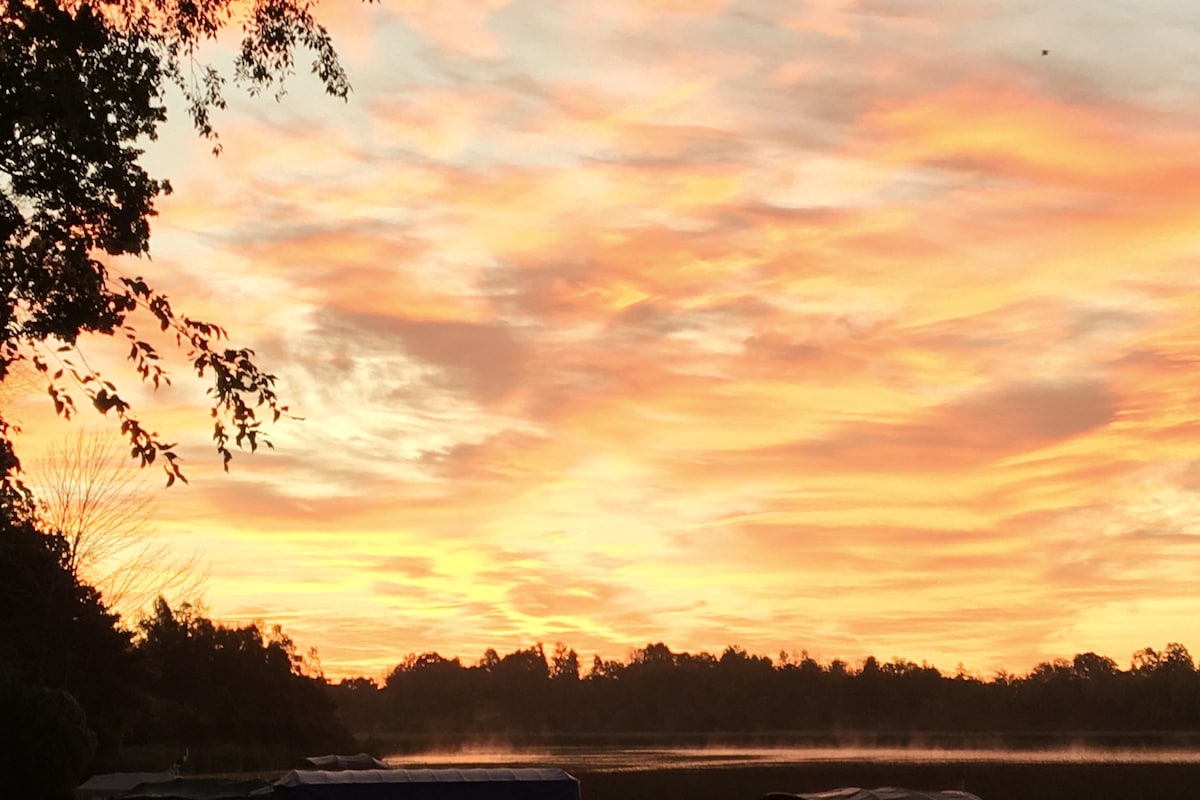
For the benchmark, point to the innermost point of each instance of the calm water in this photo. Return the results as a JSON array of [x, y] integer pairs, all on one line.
[[692, 758]]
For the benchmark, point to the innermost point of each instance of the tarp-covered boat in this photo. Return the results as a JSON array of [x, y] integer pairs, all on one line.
[[334, 762], [523, 783], [111, 784]]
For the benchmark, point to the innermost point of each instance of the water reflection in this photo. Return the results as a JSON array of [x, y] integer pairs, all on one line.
[[667, 758]]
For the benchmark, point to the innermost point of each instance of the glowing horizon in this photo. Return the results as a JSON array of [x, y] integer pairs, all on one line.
[[850, 327]]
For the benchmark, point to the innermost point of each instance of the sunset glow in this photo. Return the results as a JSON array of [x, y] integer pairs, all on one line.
[[840, 326]]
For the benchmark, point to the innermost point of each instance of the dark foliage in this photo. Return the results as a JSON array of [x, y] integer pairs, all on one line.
[[660, 692], [213, 684], [54, 630], [74, 683], [47, 742]]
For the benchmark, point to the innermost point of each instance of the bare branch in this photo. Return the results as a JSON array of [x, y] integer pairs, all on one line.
[[104, 505]]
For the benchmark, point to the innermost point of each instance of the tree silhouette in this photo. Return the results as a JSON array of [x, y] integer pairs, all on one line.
[[241, 684], [564, 664], [46, 727], [55, 634], [81, 83], [740, 694]]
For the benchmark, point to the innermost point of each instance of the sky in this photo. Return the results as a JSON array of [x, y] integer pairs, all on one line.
[[860, 327]]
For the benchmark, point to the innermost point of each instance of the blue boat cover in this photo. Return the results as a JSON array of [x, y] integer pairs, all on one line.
[[523, 783]]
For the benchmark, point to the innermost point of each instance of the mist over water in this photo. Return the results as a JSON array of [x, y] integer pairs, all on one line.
[[635, 759]]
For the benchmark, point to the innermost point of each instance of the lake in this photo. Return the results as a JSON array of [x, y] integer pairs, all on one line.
[[746, 773], [636, 759]]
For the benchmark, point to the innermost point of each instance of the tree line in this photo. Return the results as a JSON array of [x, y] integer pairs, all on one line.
[[657, 691]]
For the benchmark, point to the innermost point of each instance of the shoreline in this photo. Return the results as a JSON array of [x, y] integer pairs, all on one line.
[[988, 780]]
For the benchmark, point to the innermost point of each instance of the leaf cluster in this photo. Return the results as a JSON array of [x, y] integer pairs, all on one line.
[[82, 86]]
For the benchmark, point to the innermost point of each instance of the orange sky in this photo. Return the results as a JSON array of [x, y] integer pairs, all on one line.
[[852, 326]]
